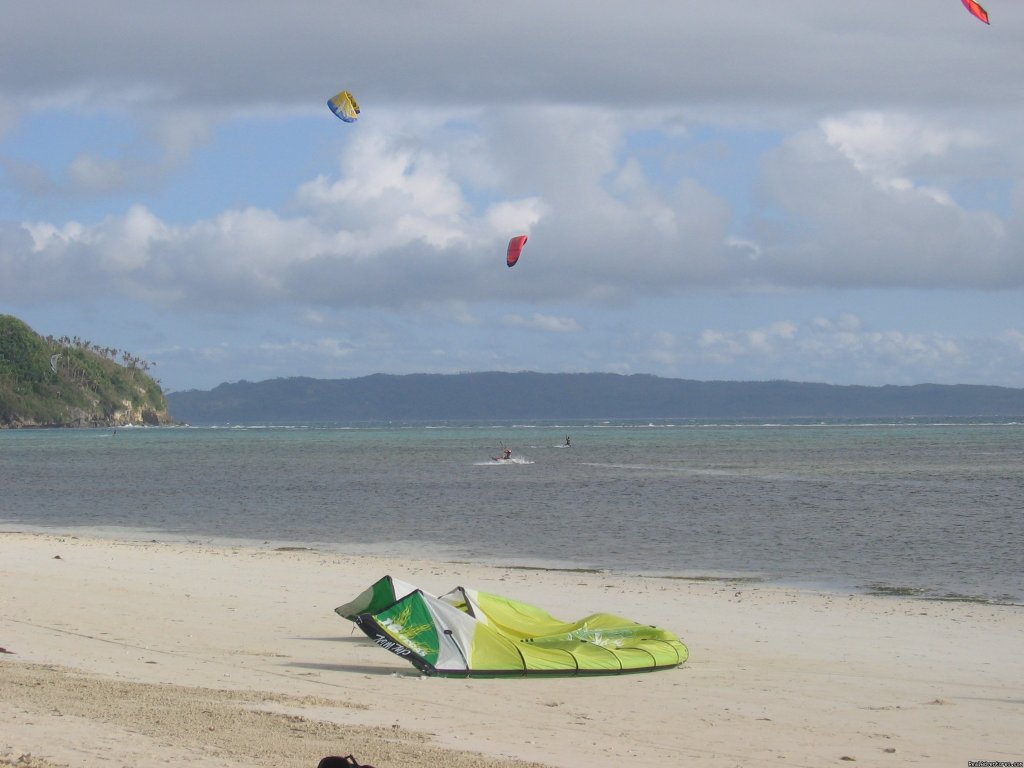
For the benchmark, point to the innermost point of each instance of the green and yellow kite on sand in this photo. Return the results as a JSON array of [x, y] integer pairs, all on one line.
[[467, 633]]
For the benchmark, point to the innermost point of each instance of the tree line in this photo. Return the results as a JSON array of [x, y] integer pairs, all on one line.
[[128, 360]]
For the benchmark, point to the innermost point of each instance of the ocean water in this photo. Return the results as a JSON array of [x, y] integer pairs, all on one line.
[[920, 507]]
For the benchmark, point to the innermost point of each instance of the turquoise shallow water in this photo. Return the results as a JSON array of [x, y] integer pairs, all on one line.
[[923, 508]]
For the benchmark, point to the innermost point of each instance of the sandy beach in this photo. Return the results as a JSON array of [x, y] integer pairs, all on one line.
[[165, 652]]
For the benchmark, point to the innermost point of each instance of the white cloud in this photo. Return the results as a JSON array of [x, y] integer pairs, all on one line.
[[96, 174], [1015, 339], [723, 346], [887, 146], [322, 347], [515, 215], [821, 347], [393, 194], [545, 323], [47, 236], [398, 224], [848, 223]]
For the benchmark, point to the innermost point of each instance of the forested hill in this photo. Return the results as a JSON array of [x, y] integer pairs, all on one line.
[[69, 382], [502, 396]]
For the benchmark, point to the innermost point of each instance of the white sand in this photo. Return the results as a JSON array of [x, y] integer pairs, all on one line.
[[162, 653]]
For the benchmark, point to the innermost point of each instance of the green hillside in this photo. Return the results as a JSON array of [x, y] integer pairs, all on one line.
[[48, 382]]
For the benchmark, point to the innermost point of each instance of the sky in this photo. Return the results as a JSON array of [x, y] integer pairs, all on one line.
[[816, 190]]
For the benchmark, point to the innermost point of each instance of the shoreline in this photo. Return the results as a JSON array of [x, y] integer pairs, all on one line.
[[239, 651], [383, 550]]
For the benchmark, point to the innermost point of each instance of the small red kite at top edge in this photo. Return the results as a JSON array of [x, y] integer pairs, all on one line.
[[976, 9]]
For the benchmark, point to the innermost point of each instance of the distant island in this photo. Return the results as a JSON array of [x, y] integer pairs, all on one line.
[[574, 396], [70, 382]]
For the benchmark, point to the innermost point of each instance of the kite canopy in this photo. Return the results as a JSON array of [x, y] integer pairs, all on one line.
[[976, 9], [515, 247], [345, 106], [467, 633], [376, 597]]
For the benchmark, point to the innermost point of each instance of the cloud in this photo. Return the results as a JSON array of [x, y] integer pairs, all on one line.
[[848, 215], [820, 348], [397, 224], [117, 153], [391, 193], [644, 54], [400, 222], [544, 323], [727, 346], [1014, 339], [96, 174], [321, 347], [882, 145]]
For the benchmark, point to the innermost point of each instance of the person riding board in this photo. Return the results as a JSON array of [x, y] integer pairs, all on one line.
[[506, 454]]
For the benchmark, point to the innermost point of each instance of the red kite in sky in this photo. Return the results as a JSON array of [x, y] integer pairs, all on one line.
[[976, 9], [515, 247]]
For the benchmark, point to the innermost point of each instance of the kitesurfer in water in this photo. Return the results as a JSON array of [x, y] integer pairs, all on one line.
[[506, 454], [568, 443]]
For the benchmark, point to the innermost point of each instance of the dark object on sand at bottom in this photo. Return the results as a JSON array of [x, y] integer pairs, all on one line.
[[333, 761]]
